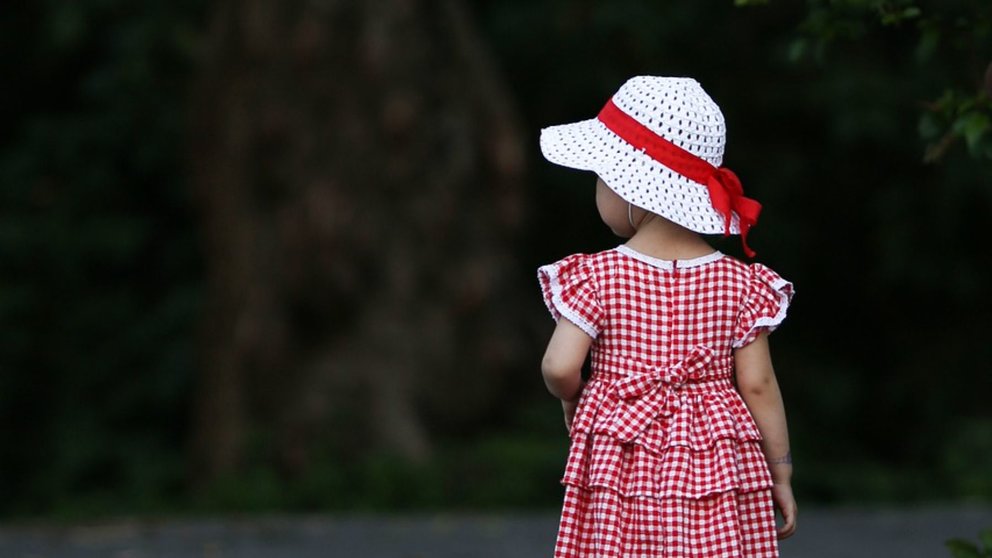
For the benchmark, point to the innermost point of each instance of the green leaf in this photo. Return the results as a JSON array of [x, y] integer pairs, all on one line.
[[985, 535], [911, 12], [961, 548], [929, 127], [946, 101], [796, 50], [972, 126], [929, 41], [889, 16]]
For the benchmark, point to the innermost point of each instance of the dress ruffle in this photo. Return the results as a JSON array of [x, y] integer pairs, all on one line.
[[603, 523], [765, 304], [600, 461], [709, 444], [569, 290]]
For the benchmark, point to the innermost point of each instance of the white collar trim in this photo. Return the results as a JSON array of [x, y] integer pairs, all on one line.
[[668, 264]]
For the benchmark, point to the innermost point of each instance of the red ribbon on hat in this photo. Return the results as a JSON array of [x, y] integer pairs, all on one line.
[[726, 192]]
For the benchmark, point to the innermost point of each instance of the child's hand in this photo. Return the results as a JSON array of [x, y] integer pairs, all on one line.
[[786, 505], [569, 405], [569, 408]]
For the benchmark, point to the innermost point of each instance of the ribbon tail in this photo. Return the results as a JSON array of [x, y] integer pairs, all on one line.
[[747, 215], [747, 249]]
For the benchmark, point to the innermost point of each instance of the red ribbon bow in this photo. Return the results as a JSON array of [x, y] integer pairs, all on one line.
[[727, 195], [726, 192]]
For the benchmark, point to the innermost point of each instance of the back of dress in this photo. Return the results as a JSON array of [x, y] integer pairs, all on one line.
[[665, 458]]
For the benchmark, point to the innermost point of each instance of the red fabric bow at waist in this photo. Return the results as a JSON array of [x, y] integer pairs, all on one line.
[[643, 397], [726, 192]]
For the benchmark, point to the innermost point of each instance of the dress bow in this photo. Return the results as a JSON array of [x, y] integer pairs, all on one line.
[[643, 397]]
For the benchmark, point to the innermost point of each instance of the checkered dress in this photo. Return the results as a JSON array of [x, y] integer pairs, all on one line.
[[665, 458]]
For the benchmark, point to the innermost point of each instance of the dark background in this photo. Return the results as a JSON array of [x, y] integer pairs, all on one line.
[[279, 256]]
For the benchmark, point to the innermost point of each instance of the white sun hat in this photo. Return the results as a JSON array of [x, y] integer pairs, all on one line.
[[658, 143]]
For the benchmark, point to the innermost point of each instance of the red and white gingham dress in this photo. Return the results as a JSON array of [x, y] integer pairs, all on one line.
[[665, 458]]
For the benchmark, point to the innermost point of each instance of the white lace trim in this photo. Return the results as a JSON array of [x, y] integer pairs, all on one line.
[[772, 323], [668, 264], [558, 305]]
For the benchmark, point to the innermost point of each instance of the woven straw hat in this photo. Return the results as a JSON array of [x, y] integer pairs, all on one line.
[[659, 144]]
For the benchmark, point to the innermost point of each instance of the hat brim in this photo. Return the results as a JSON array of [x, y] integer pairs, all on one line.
[[637, 178]]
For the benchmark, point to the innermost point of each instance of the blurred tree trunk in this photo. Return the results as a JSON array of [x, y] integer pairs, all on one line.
[[357, 167]]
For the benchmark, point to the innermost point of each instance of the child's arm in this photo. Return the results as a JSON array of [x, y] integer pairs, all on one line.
[[759, 389], [562, 365]]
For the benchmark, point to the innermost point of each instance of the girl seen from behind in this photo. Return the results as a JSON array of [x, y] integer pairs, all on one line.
[[679, 444]]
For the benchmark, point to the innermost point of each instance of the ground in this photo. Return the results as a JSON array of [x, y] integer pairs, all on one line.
[[823, 533]]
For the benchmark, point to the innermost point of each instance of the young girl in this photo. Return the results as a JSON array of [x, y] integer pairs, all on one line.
[[669, 456]]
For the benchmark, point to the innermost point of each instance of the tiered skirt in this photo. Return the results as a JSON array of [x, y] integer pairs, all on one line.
[[692, 484]]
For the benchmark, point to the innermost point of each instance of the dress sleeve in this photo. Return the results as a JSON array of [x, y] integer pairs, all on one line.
[[569, 289], [765, 304]]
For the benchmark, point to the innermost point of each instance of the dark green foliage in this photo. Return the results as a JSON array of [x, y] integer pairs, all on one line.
[[100, 274], [494, 473], [948, 42], [961, 548], [882, 358], [830, 108]]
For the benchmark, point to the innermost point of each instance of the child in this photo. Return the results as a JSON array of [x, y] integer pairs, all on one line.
[[668, 457]]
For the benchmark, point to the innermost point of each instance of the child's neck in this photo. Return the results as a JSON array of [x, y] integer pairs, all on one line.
[[660, 238]]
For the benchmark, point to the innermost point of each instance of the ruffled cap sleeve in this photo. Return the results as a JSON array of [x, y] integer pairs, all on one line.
[[765, 304], [569, 289]]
